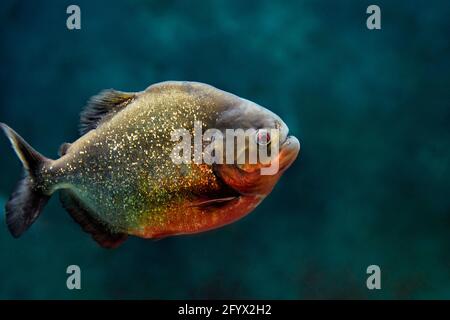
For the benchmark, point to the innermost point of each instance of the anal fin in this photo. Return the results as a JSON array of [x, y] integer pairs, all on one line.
[[84, 218]]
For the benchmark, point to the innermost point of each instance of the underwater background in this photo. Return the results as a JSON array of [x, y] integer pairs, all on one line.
[[371, 109]]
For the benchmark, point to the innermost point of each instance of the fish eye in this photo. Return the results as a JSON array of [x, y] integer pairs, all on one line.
[[262, 137]]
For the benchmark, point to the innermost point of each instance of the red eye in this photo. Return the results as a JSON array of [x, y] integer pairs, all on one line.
[[262, 137]]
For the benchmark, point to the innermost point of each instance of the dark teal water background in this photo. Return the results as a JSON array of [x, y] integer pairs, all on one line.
[[371, 108]]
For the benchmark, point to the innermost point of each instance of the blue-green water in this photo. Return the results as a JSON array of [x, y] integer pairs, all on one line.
[[371, 108]]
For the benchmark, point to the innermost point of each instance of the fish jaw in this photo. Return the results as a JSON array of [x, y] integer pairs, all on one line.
[[288, 152]]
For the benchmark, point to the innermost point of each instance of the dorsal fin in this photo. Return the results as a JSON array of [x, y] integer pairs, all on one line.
[[102, 107]]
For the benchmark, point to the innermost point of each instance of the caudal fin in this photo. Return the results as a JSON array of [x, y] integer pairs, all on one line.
[[28, 199]]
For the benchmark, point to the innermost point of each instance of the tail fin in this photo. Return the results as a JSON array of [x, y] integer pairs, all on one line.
[[27, 200]]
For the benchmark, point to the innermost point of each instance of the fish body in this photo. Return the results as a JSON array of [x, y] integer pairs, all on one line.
[[119, 178]]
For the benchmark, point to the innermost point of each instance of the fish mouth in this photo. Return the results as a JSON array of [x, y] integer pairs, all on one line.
[[289, 151]]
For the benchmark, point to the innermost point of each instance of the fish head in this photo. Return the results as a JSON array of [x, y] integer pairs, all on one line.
[[266, 151]]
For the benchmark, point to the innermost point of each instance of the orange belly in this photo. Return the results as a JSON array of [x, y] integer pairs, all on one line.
[[194, 219]]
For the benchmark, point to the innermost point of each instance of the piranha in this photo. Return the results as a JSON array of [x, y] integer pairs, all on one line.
[[119, 178]]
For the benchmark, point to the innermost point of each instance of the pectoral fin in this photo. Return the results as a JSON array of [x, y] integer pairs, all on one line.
[[213, 203]]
